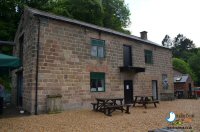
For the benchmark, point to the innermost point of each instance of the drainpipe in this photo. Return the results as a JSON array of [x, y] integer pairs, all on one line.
[[37, 63]]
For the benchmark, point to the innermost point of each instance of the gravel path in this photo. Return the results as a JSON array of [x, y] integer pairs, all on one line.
[[140, 119]]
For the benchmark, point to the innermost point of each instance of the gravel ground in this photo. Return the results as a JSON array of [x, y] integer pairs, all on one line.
[[140, 119]]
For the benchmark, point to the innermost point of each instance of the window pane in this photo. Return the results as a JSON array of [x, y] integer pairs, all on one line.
[[100, 85], [93, 85], [100, 52], [94, 51], [148, 57]]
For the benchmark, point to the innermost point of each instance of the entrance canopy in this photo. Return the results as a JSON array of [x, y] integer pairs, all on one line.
[[11, 62]]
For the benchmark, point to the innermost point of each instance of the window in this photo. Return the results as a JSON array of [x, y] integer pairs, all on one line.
[[98, 48], [97, 82], [148, 56], [165, 81]]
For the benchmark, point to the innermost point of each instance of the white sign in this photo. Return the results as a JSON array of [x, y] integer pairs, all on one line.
[[127, 87]]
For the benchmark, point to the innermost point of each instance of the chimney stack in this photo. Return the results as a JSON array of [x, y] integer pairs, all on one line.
[[143, 35]]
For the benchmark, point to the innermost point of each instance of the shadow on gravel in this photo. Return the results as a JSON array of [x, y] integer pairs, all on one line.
[[11, 111]]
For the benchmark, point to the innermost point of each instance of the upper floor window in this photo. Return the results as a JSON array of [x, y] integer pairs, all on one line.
[[148, 56], [98, 48]]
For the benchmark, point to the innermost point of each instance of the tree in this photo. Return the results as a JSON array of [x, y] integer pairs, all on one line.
[[8, 20], [116, 15], [112, 14], [194, 63], [90, 11], [183, 67], [167, 42], [182, 44]]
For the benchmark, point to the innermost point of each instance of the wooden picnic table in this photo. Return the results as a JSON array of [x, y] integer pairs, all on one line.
[[109, 105], [144, 100]]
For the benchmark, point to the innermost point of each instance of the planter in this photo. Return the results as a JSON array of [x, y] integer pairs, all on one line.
[[54, 104]]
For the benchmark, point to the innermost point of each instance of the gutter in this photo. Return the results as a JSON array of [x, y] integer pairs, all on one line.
[[37, 65]]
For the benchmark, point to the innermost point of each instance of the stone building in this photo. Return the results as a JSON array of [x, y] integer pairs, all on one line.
[[183, 83], [82, 61]]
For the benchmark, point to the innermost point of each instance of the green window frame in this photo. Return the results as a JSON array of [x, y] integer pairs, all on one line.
[[97, 82], [148, 55], [98, 48]]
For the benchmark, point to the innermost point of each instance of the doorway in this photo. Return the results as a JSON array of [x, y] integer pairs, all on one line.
[[127, 55], [20, 88], [128, 91], [155, 89]]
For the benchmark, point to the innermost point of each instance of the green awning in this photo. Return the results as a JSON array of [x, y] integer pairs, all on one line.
[[7, 61]]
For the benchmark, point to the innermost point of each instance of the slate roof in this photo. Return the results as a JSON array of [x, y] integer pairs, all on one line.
[[181, 79], [84, 24]]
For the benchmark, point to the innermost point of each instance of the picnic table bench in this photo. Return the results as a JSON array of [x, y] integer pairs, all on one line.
[[144, 100], [109, 105]]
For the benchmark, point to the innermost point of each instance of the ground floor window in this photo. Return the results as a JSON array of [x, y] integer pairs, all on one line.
[[97, 82]]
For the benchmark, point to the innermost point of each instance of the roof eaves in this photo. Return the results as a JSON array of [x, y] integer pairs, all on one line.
[[61, 18]]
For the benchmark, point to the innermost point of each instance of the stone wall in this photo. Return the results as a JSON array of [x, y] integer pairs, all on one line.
[[65, 64], [28, 28]]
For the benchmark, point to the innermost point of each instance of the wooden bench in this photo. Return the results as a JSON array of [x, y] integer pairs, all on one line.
[[144, 100], [127, 108], [150, 102], [111, 108], [94, 104]]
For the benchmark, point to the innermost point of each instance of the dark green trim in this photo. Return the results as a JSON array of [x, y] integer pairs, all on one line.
[[98, 42]]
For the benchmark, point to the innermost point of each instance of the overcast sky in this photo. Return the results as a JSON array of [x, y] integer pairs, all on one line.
[[161, 17]]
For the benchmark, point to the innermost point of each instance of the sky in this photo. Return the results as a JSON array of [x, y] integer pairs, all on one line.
[[161, 17]]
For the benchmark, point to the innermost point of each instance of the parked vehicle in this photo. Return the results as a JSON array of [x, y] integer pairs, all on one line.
[[196, 91]]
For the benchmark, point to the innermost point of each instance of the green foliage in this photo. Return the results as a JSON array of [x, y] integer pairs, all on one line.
[[8, 50], [186, 56], [8, 19], [194, 63], [116, 15], [183, 67], [181, 45], [180, 65], [112, 14], [6, 82], [90, 11]]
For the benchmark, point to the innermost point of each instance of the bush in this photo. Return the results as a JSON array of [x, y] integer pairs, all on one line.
[[183, 67], [6, 82]]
